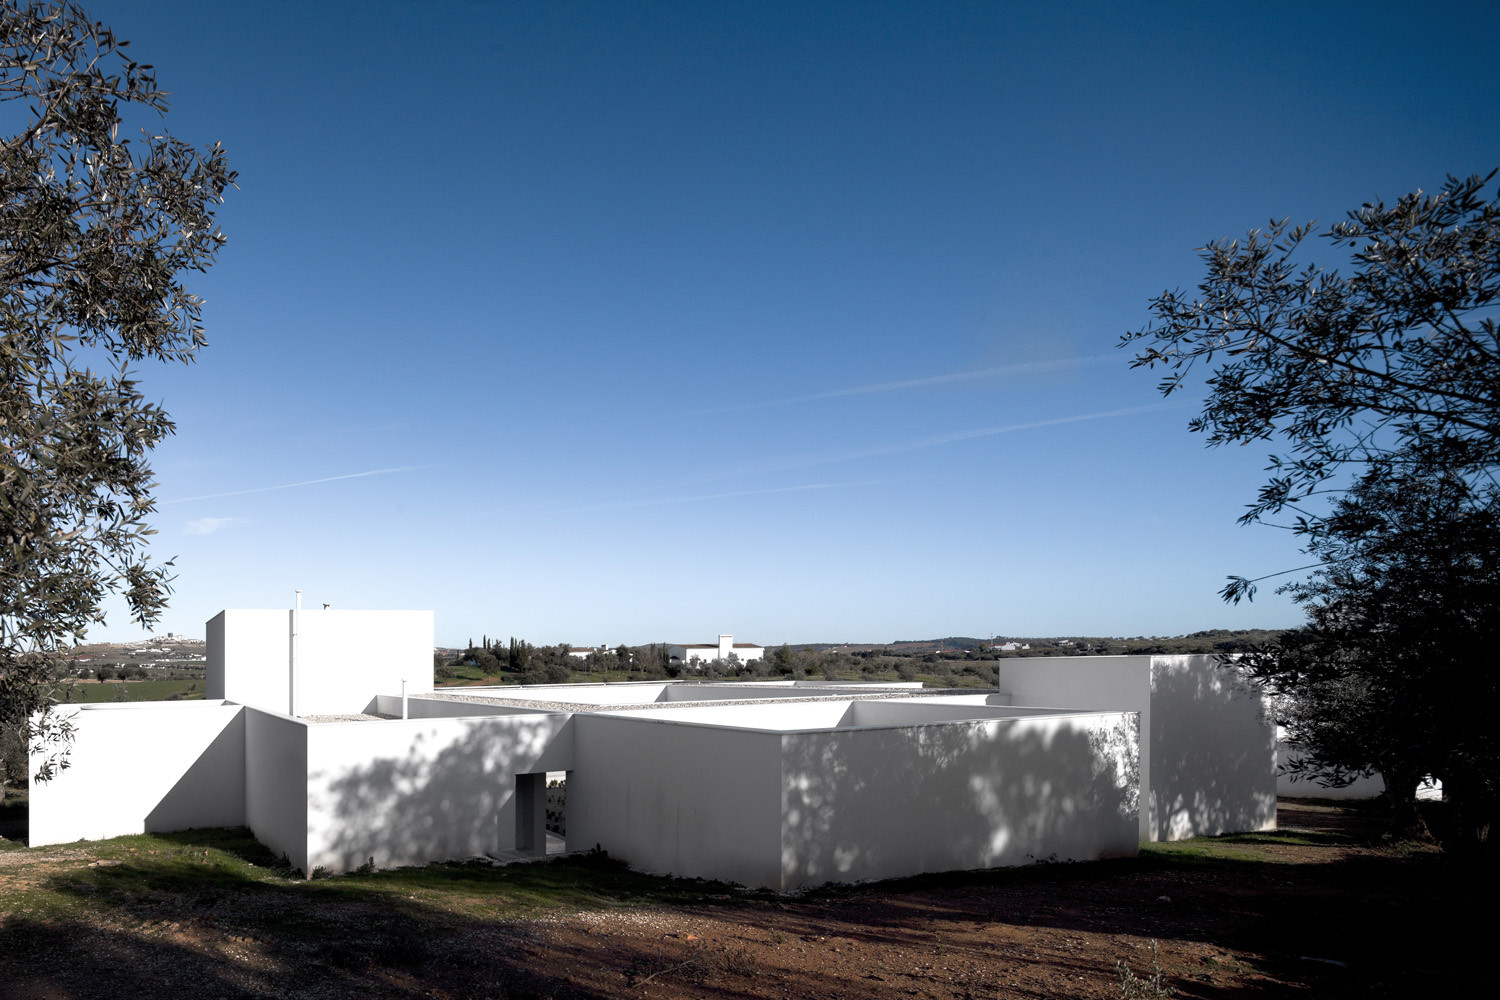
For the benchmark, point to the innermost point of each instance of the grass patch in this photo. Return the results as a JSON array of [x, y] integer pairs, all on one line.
[[92, 692], [230, 873], [13, 818], [1241, 846]]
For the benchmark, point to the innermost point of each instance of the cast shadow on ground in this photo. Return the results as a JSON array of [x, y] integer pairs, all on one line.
[[198, 927]]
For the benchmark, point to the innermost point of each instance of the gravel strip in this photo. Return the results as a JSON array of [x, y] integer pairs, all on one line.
[[564, 706], [355, 717]]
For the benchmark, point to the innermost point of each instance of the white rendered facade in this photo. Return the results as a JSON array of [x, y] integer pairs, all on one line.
[[782, 783], [705, 652]]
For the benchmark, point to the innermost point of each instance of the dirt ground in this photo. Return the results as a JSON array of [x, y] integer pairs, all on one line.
[[1323, 908]]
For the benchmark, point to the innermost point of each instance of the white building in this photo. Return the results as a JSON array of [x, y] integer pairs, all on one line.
[[323, 734], [705, 652]]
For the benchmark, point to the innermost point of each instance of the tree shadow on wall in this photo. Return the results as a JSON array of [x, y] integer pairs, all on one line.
[[1212, 754], [877, 803], [431, 797]]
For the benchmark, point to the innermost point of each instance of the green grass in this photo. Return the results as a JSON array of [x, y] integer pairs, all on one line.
[[1238, 846], [179, 872], [13, 819], [92, 691]]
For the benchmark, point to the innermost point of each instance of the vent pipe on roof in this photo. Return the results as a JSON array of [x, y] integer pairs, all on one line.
[[291, 679]]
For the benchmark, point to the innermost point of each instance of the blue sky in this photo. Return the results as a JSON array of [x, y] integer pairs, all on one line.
[[633, 323]]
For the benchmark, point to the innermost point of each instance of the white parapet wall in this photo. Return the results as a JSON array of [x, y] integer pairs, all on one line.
[[407, 792], [736, 793], [870, 803], [144, 767], [343, 660], [276, 783], [1210, 753], [679, 799]]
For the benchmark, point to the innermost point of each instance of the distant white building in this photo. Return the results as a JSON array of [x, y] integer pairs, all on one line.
[[1011, 647], [705, 652], [584, 652]]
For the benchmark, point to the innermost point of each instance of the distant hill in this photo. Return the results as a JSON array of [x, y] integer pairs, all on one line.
[[1207, 641], [147, 651]]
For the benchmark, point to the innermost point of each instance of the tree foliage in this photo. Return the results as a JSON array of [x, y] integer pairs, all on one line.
[[97, 230], [1393, 671], [1394, 365], [1385, 386]]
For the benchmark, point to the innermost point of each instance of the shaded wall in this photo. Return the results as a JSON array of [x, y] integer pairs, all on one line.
[[1210, 756], [1122, 683], [419, 790], [1213, 751], [678, 798], [878, 803], [276, 783], [144, 767]]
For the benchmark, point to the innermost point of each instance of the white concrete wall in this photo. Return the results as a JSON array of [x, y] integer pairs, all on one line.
[[1122, 683], [908, 711], [420, 790], [1212, 752], [1210, 755], [707, 652], [627, 693], [771, 717], [248, 655], [419, 707], [681, 799], [1362, 788], [877, 803], [344, 658], [276, 783], [144, 767], [213, 659]]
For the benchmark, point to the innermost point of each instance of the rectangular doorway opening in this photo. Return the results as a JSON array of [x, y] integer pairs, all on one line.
[[557, 812], [541, 813]]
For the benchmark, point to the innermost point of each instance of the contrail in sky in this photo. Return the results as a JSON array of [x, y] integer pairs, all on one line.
[[1025, 368], [733, 493], [288, 486], [969, 435]]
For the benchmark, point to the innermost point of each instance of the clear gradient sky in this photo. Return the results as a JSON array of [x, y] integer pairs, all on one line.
[[645, 322]]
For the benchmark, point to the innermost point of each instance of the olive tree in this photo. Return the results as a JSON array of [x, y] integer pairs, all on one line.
[[102, 214], [1383, 385], [1395, 364], [1393, 670]]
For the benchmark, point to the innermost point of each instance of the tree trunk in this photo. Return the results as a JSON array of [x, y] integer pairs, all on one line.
[[1472, 809], [1401, 794]]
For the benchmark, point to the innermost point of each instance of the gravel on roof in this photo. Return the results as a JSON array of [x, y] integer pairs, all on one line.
[[566, 706]]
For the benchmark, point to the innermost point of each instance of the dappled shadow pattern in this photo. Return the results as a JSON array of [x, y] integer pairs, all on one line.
[[412, 795], [1213, 751], [884, 802]]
